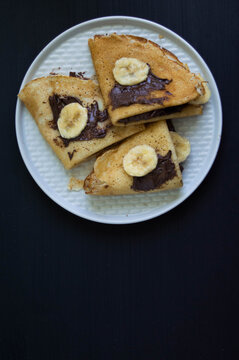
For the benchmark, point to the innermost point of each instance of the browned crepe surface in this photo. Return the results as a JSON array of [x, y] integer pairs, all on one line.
[[109, 176], [105, 50], [35, 96]]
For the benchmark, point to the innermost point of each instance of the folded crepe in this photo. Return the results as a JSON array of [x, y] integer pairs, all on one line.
[[46, 97], [111, 170], [166, 89]]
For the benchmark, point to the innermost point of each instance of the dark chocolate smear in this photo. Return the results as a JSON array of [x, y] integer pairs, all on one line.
[[170, 125], [57, 102], [125, 95], [71, 154], [80, 75], [152, 114], [95, 116], [164, 171]]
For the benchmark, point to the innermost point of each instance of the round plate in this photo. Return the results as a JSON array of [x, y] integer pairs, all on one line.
[[69, 51]]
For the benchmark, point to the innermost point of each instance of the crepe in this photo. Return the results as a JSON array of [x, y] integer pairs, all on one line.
[[174, 112], [181, 86], [36, 96], [110, 178]]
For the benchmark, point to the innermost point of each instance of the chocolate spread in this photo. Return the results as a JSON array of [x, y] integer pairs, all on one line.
[[95, 116], [170, 125], [181, 167], [71, 154], [125, 95], [80, 75], [165, 170], [152, 114]]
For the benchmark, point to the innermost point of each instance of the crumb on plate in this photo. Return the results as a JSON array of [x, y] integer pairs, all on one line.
[[75, 184]]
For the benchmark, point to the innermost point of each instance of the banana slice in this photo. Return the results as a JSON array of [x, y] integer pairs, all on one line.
[[72, 120], [130, 71], [182, 146], [140, 160], [202, 99]]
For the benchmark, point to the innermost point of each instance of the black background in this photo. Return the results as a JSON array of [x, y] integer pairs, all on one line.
[[164, 289]]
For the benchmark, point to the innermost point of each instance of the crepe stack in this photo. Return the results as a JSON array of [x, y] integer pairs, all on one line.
[[181, 94]]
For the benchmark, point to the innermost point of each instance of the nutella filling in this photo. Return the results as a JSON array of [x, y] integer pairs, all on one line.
[[164, 171], [95, 127], [71, 154], [80, 75], [170, 125], [152, 114], [125, 95]]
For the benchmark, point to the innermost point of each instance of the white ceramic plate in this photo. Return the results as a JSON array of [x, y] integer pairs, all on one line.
[[69, 51]]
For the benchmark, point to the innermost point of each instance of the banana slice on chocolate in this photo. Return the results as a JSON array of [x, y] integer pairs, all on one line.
[[73, 119], [130, 71], [140, 160], [182, 146]]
